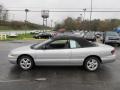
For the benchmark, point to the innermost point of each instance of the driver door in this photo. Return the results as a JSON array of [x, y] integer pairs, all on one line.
[[56, 53]]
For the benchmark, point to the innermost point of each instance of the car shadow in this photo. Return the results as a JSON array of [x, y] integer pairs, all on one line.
[[61, 73]]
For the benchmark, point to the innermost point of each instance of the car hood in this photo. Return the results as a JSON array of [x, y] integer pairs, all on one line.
[[21, 49]]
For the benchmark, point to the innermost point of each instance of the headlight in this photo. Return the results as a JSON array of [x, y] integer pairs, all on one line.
[[12, 55]]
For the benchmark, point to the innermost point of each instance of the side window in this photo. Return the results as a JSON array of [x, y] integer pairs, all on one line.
[[74, 44], [58, 44]]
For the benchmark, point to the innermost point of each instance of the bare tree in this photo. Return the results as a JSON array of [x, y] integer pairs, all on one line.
[[1, 10], [3, 13]]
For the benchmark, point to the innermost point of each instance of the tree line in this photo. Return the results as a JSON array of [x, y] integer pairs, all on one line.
[[93, 25], [19, 25]]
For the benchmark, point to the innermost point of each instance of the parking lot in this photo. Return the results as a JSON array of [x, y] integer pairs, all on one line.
[[55, 78]]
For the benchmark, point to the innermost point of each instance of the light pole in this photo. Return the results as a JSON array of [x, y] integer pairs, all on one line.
[[51, 24], [26, 17], [13, 17], [91, 13]]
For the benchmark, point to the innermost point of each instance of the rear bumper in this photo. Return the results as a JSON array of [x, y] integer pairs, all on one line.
[[109, 59]]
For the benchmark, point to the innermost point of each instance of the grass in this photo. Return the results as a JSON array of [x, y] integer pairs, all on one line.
[[5, 28], [20, 37]]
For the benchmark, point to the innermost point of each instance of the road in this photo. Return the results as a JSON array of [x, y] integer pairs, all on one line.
[[56, 78]]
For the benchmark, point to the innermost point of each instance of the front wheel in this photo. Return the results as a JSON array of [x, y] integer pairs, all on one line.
[[92, 64], [25, 62]]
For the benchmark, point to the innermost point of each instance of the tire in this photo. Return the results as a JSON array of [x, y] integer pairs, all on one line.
[[91, 64], [25, 62], [116, 45], [119, 45], [39, 37]]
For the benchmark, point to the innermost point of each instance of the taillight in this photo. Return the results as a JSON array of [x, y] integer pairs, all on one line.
[[113, 52]]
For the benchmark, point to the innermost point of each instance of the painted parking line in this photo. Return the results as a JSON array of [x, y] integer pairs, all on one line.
[[23, 80], [41, 79], [2, 81]]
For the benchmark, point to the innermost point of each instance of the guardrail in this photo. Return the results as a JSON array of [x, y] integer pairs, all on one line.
[[3, 36]]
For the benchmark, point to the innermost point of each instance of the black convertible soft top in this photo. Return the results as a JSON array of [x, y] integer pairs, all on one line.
[[83, 42]]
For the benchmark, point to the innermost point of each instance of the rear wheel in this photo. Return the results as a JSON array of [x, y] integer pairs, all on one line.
[[92, 64], [25, 62]]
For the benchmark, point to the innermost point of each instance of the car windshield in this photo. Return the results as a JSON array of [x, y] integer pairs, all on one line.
[[111, 34], [37, 45]]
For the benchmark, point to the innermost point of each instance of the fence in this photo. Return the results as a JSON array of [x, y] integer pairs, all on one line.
[[3, 36]]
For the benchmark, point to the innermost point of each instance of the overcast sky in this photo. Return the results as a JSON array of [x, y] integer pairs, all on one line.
[[60, 5]]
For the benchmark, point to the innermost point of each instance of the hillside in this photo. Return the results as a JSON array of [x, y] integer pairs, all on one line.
[[18, 25]]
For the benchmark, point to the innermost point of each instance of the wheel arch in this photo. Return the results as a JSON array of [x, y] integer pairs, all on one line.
[[25, 55], [93, 56]]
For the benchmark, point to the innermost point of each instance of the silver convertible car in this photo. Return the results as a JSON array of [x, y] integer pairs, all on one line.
[[63, 50]]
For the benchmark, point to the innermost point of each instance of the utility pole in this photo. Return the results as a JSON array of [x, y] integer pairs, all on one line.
[[91, 14], [84, 18], [84, 13], [81, 17]]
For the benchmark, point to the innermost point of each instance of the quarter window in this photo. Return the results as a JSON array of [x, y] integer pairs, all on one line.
[[74, 44]]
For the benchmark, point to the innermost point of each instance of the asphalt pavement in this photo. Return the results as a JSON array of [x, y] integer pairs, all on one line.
[[55, 77]]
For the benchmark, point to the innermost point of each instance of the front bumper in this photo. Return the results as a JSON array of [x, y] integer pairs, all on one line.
[[109, 59], [12, 59], [113, 41]]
